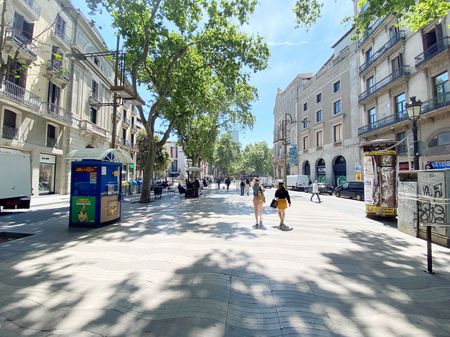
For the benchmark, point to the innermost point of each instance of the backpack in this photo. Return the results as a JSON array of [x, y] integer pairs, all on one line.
[[242, 183], [261, 196]]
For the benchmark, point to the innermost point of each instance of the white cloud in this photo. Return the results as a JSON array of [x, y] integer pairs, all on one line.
[[287, 43]]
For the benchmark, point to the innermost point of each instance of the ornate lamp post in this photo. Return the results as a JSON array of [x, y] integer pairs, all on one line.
[[414, 108]]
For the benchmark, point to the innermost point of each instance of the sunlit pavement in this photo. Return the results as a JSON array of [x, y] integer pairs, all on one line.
[[195, 267]]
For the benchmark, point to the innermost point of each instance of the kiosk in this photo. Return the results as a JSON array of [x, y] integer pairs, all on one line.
[[95, 190], [380, 171]]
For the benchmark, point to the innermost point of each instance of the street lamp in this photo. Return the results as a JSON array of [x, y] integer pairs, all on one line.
[[414, 108]]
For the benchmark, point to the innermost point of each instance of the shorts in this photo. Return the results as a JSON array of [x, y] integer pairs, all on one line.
[[282, 204]]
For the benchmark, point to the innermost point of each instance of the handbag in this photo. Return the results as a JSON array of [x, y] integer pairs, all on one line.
[[274, 203]]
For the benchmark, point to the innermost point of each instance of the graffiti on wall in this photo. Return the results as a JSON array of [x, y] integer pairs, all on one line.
[[430, 211]]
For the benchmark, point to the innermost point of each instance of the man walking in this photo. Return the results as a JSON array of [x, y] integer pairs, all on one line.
[[315, 190], [242, 186]]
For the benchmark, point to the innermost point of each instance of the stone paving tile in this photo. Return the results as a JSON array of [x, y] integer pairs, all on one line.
[[196, 327], [234, 331]]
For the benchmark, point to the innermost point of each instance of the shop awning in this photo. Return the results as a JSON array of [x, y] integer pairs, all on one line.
[[112, 155]]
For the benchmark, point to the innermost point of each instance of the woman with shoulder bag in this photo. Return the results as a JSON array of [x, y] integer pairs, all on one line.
[[258, 202], [283, 199]]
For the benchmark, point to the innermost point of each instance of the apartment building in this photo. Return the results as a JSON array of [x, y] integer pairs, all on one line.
[[177, 168], [395, 64], [50, 101], [324, 128]]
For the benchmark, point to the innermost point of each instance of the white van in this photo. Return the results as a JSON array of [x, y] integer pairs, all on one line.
[[297, 182], [266, 182]]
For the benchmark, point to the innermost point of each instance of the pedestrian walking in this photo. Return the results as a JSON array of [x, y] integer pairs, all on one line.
[[283, 200], [247, 186], [258, 202], [315, 190], [228, 182], [242, 185], [218, 183]]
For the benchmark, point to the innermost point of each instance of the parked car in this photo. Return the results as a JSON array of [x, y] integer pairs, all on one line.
[[297, 182], [350, 189], [323, 189]]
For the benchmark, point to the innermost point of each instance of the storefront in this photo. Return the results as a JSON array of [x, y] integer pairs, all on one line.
[[47, 172], [340, 171], [321, 171]]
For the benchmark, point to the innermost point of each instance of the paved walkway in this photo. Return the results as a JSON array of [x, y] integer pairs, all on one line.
[[196, 268]]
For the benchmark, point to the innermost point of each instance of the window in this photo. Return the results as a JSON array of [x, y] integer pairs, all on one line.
[[403, 146], [400, 109], [9, 125], [369, 83], [124, 136], [318, 98], [337, 108], [430, 39], [337, 133], [95, 89], [132, 139], [17, 73], [96, 61], [60, 27], [93, 115], [22, 29], [369, 55], [440, 139], [336, 86], [305, 106], [132, 121], [394, 32], [305, 123], [397, 65], [53, 97], [318, 116], [174, 166], [124, 114], [372, 117], [305, 143], [319, 139], [440, 87], [51, 135], [174, 152]]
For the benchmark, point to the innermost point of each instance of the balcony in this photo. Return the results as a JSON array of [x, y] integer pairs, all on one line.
[[91, 128], [51, 142], [431, 52], [61, 38], [126, 122], [56, 112], [31, 8], [384, 83], [436, 103], [370, 31], [382, 51], [93, 100], [57, 73], [10, 132], [16, 38], [382, 123], [20, 95]]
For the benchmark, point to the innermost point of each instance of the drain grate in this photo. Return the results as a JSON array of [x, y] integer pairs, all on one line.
[[9, 236]]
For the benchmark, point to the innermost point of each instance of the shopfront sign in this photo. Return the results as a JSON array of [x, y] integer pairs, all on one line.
[[440, 165], [47, 159]]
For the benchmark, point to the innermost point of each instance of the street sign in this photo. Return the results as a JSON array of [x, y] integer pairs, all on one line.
[[358, 176]]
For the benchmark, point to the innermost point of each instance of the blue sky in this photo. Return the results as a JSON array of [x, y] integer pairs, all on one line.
[[293, 51]]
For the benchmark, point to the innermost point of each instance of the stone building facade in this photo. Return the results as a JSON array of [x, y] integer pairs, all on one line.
[[324, 127], [395, 64], [49, 100]]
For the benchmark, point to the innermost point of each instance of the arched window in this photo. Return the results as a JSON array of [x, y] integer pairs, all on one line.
[[440, 139]]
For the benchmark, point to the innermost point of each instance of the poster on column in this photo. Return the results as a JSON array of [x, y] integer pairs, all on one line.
[[83, 209], [369, 179]]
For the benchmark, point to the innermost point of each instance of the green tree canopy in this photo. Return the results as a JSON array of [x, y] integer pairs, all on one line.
[[227, 156], [414, 13], [257, 159], [175, 48]]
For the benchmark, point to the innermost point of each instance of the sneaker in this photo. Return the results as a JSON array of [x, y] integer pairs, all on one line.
[[285, 228], [261, 226], [255, 226]]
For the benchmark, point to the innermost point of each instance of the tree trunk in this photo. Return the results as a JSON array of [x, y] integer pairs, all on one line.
[[148, 173]]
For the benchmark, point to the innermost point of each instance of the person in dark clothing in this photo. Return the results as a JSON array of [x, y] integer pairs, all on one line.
[[283, 198], [205, 184], [242, 186], [228, 182], [218, 183], [181, 189], [196, 188]]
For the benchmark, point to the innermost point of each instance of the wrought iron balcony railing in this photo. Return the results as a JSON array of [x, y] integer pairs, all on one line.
[[60, 35], [382, 123], [370, 31], [21, 40], [19, 94], [51, 142], [32, 7], [435, 103], [59, 113], [10, 132], [383, 50], [395, 75], [432, 51]]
